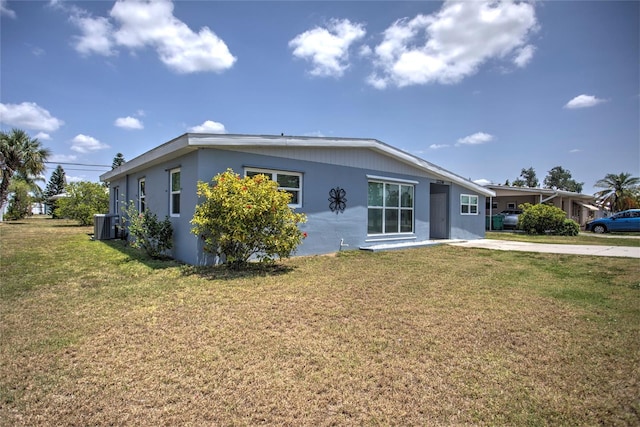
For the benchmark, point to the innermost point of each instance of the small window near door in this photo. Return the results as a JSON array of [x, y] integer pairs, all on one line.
[[468, 204]]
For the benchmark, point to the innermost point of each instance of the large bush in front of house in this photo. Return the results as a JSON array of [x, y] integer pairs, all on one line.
[[148, 233], [240, 218], [84, 200], [546, 219]]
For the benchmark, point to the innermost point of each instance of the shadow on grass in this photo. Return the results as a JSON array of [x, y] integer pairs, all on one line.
[[140, 256], [210, 272], [223, 272]]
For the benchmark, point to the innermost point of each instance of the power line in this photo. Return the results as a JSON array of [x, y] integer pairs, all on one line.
[[78, 164]]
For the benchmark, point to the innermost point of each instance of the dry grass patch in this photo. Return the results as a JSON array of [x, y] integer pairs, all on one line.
[[430, 336]]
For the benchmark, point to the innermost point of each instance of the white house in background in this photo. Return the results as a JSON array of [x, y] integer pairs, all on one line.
[[388, 197]]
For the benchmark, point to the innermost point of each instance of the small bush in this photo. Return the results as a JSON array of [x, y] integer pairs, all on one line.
[[153, 236], [569, 228], [541, 219], [243, 217]]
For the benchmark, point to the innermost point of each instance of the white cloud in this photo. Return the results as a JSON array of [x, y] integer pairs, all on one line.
[[447, 46], [29, 115], [151, 23], [70, 178], [316, 133], [128, 123], [4, 10], [96, 34], [583, 101], [327, 48], [438, 146], [365, 51], [43, 136], [475, 139], [524, 55], [482, 181], [575, 150], [85, 144], [208, 126]]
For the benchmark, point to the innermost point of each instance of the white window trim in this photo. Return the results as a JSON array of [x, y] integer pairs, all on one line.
[[394, 181], [116, 199], [142, 196], [477, 212], [273, 173], [171, 192], [391, 180]]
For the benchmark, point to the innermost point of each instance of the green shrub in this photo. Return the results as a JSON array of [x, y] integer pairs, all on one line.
[[153, 236], [243, 217], [569, 228], [84, 200], [541, 219], [19, 200]]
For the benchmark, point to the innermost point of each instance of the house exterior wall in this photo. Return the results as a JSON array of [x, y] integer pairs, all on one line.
[[326, 230]]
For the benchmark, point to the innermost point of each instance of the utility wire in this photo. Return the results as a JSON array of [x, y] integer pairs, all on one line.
[[78, 164]]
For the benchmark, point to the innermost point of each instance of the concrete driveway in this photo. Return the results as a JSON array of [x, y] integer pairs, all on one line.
[[504, 245]]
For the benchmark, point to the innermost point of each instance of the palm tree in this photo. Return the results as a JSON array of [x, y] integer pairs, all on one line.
[[618, 190], [19, 154]]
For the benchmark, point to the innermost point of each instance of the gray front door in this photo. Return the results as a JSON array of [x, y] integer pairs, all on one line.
[[438, 224]]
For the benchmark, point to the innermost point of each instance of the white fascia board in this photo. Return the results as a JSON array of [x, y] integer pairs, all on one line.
[[151, 157]]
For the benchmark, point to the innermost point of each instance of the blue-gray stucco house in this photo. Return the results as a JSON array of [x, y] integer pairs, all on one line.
[[392, 197]]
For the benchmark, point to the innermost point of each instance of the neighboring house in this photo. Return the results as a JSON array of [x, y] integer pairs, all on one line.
[[579, 207], [390, 196]]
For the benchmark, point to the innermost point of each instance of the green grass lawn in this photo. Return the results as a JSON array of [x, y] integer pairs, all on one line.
[[609, 239], [94, 333]]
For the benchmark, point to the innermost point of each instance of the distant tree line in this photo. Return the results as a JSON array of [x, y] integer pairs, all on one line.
[[557, 178], [620, 191]]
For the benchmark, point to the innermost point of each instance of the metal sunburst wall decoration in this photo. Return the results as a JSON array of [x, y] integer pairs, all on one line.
[[337, 200]]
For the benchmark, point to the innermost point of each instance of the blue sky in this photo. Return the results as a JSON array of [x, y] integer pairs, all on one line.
[[481, 89]]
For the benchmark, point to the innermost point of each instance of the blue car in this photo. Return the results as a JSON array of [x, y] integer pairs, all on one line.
[[622, 221]]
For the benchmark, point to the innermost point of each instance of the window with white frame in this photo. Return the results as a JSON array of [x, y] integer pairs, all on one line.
[[468, 204], [116, 200], [174, 198], [291, 182], [142, 195], [390, 208]]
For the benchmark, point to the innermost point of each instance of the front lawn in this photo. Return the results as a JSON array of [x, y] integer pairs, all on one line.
[[96, 334]]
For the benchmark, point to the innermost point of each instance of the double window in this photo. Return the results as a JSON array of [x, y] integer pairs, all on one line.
[[174, 197], [142, 195], [468, 204], [390, 208], [291, 182]]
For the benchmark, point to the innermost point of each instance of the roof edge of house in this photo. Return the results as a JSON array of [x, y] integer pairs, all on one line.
[[193, 141]]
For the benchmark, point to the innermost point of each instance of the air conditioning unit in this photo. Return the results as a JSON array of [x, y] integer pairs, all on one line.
[[104, 226]]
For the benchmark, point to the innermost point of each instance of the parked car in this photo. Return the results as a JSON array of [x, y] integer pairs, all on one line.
[[628, 220], [510, 218]]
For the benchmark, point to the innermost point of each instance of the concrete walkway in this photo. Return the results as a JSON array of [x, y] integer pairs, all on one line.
[[593, 250]]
